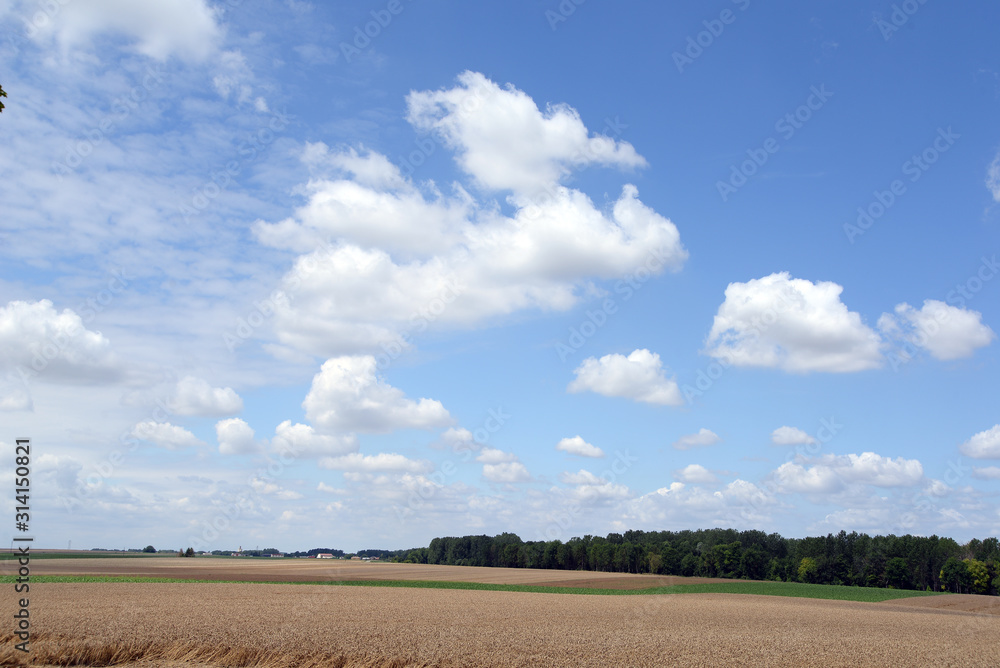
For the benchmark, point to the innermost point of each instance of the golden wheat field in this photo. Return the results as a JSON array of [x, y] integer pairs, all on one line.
[[269, 625]]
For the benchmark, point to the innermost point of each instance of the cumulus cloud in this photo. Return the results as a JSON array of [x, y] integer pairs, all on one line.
[[158, 28], [740, 503], [37, 342], [236, 437], [984, 445], [695, 473], [946, 332], [506, 472], [407, 257], [791, 436], [703, 438], [194, 396], [166, 435], [577, 446], [986, 472], [347, 395], [505, 142], [993, 178], [792, 324], [832, 472], [301, 440], [378, 463], [459, 439], [639, 377], [495, 456], [589, 488]]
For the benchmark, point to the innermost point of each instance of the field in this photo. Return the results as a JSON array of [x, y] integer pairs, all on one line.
[[137, 624]]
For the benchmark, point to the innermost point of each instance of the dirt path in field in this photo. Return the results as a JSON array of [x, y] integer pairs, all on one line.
[[276, 626], [320, 570]]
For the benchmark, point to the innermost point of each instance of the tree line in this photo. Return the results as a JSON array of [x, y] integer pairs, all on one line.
[[899, 562]]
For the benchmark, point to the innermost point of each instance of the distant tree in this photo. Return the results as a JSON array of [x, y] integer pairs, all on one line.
[[897, 573], [955, 576], [180, 552], [149, 548], [808, 570], [2, 94], [979, 576], [189, 552]]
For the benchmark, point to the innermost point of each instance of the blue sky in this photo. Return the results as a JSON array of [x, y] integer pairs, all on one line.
[[538, 267]]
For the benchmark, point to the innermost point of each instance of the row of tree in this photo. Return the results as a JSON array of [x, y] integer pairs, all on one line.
[[900, 562]]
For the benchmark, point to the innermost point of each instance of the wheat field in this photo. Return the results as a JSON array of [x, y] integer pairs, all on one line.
[[273, 626]]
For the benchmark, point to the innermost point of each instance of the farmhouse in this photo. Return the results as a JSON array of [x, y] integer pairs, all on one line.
[[324, 555]]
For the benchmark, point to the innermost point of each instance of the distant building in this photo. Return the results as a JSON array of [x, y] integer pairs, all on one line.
[[324, 555], [355, 558], [277, 554]]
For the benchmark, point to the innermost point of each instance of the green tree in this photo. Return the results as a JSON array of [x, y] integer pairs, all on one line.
[[189, 552], [808, 570], [149, 548], [979, 576], [955, 576], [2, 94], [897, 574]]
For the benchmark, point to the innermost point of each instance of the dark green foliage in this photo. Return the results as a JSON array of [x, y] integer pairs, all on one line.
[[848, 559]]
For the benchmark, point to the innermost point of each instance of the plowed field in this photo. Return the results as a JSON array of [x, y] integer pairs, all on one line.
[[133, 624]]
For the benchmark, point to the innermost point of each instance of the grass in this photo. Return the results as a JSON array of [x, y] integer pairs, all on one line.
[[793, 589]]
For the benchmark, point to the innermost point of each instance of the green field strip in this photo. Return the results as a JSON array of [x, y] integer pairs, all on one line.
[[793, 589]]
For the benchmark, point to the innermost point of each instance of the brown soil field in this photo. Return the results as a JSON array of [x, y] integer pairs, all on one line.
[[319, 570], [274, 626]]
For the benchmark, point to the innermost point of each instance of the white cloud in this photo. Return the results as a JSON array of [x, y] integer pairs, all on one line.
[[14, 396], [703, 438], [159, 28], [791, 436], [235, 437], [506, 472], [194, 396], [582, 477], [695, 473], [494, 456], [346, 395], [986, 472], [38, 342], [639, 377], [831, 473], [740, 503], [993, 178], [459, 439], [946, 332], [301, 440], [984, 445], [792, 324], [505, 142], [166, 435], [407, 257], [577, 446], [381, 462]]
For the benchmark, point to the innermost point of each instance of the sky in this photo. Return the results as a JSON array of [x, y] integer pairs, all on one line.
[[295, 275]]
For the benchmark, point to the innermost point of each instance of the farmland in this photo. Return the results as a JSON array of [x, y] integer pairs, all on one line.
[[248, 624]]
